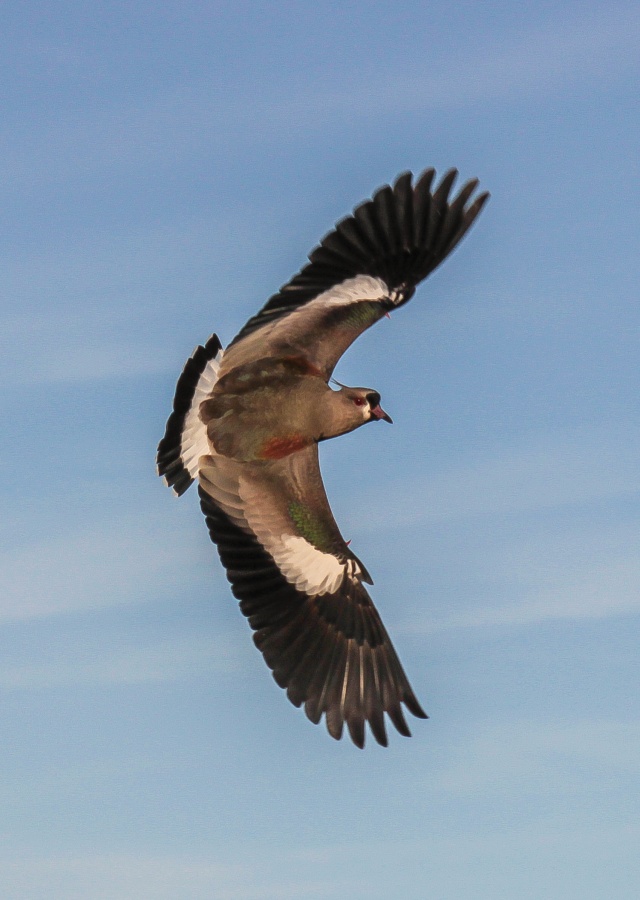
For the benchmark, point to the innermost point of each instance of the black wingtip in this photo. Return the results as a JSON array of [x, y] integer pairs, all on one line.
[[397, 717], [400, 235], [331, 653], [411, 702], [356, 731]]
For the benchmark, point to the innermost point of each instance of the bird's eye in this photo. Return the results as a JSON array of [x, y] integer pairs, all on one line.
[[359, 401]]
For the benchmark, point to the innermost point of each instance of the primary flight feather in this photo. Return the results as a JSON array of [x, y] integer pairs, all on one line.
[[247, 421]]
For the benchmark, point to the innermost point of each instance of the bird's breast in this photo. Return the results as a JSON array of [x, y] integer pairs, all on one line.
[[267, 419], [279, 447]]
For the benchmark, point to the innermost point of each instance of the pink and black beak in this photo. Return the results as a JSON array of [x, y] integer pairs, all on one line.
[[377, 411]]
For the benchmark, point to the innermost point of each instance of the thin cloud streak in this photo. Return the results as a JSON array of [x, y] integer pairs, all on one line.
[[118, 564], [533, 849], [544, 62], [78, 354], [114, 876], [522, 756], [599, 592], [544, 574], [529, 566], [543, 471], [181, 659], [90, 310], [161, 131]]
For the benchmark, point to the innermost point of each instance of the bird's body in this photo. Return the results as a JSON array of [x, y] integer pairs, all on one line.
[[247, 422], [272, 407]]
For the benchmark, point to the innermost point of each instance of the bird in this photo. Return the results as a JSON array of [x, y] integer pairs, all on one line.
[[247, 422]]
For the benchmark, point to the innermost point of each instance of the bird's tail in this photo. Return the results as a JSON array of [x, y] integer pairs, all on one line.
[[185, 437]]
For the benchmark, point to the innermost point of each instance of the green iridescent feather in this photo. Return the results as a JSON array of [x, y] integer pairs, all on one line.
[[363, 314], [310, 526]]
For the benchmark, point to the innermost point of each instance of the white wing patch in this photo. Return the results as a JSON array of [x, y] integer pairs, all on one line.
[[352, 290], [194, 442], [255, 504], [309, 569]]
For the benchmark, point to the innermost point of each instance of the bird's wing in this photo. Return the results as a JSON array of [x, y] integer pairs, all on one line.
[[301, 589], [369, 264]]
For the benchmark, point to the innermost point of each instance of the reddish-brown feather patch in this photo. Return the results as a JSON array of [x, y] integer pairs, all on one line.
[[302, 365], [276, 448]]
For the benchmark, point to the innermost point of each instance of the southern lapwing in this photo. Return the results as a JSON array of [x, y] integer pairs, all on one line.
[[247, 421]]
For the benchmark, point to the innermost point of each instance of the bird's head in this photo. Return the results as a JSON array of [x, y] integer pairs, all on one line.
[[359, 405]]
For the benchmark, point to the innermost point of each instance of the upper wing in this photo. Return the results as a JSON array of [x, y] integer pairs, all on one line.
[[301, 589], [370, 263]]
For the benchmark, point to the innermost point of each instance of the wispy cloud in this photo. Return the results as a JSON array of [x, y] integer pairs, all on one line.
[[80, 350], [114, 876], [183, 658], [542, 61], [476, 863], [543, 549], [540, 573], [542, 471], [89, 310], [157, 131], [542, 757], [604, 585], [112, 564]]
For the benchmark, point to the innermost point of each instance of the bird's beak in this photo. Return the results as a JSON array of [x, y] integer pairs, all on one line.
[[377, 412]]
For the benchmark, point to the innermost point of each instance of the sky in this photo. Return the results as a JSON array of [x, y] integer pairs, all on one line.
[[164, 168]]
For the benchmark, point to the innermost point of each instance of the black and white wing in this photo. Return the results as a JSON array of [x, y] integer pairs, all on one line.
[[302, 590], [368, 264]]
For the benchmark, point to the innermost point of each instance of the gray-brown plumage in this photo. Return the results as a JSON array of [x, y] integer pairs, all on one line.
[[247, 422]]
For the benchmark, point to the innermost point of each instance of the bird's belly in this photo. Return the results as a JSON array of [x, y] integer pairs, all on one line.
[[257, 431]]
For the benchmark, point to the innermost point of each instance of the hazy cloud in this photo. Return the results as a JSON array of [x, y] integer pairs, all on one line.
[[107, 564], [158, 131], [542, 573], [541, 471], [538, 61], [115, 876], [180, 659], [542, 757], [89, 309]]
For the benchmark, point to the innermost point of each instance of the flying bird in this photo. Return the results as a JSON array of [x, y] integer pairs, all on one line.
[[247, 421]]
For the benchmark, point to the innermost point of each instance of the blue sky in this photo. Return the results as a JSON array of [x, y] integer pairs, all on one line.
[[164, 168]]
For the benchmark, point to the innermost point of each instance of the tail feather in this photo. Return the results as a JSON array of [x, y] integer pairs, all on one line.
[[185, 437]]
